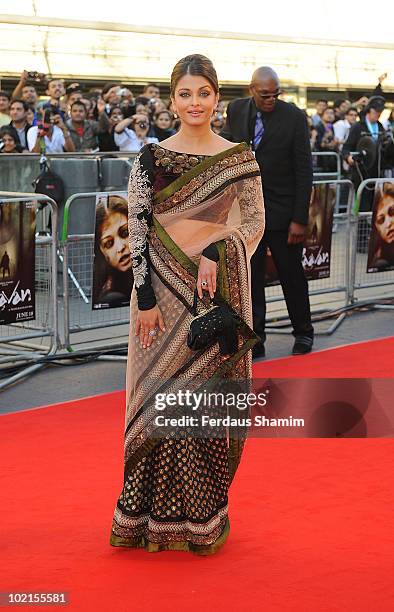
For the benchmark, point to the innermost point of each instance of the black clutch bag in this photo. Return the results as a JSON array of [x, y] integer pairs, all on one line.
[[219, 324]]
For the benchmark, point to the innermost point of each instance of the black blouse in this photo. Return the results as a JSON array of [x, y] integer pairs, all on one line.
[[154, 168]]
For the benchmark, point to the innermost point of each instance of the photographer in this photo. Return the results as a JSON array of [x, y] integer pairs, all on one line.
[[142, 105], [326, 141], [107, 125], [111, 95], [25, 90], [50, 135], [368, 126], [8, 142], [371, 130], [342, 127], [55, 90], [135, 138], [82, 130]]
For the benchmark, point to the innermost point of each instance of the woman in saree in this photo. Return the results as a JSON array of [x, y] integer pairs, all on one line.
[[196, 216]]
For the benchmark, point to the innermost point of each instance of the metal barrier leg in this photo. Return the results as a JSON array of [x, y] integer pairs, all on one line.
[[21, 375]]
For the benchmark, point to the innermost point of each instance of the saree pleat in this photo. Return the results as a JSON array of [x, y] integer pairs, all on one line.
[[175, 490]]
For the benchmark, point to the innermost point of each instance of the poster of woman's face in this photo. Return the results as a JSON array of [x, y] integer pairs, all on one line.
[[381, 241], [112, 267], [17, 261]]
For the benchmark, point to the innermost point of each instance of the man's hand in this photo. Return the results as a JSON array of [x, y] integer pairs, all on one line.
[[362, 102], [24, 77], [57, 120], [297, 233], [128, 95], [350, 160], [382, 77]]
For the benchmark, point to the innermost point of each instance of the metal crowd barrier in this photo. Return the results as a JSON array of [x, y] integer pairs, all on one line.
[[77, 253], [105, 328], [326, 155], [17, 339], [336, 288], [363, 285], [104, 171]]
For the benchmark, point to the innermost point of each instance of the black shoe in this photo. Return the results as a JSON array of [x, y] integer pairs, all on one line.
[[302, 345], [258, 351]]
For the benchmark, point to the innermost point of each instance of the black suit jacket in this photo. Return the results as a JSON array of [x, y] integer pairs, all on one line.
[[284, 157]]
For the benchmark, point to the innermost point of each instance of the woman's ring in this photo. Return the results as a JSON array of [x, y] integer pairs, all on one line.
[[153, 332], [204, 283]]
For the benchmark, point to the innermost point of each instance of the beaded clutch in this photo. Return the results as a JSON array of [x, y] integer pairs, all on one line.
[[219, 324]]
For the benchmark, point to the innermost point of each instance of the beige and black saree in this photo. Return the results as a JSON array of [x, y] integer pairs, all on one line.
[[175, 491]]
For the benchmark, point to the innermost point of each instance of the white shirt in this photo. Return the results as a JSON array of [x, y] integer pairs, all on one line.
[[55, 145], [128, 140], [342, 129]]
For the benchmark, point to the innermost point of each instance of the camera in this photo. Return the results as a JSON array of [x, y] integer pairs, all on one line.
[[128, 109], [142, 124], [35, 76], [358, 155], [44, 122]]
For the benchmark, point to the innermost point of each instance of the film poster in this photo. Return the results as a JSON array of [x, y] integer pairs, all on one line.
[[381, 238], [316, 255], [17, 261], [112, 265]]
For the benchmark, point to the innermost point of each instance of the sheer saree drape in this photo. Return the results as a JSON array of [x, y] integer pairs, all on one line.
[[175, 490]]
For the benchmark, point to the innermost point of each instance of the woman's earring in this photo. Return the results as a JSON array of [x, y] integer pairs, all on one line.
[[175, 115]]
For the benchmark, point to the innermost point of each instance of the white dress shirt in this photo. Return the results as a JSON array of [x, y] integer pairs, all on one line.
[[129, 141], [53, 145]]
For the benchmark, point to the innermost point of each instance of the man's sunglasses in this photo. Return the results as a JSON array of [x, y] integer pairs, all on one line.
[[267, 96]]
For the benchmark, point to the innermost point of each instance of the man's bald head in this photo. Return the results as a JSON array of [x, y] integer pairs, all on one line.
[[263, 74], [265, 87]]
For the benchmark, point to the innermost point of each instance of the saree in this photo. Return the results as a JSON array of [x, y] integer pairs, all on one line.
[[175, 488]]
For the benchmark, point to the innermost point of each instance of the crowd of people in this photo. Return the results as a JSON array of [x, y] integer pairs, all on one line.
[[71, 119], [330, 126]]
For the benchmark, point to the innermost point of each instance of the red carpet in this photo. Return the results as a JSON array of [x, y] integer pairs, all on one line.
[[312, 522], [373, 359]]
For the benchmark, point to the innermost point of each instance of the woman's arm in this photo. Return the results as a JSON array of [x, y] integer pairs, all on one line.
[[251, 203], [122, 125], [149, 318], [139, 220]]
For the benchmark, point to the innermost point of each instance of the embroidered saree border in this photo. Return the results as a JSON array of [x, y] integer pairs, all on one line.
[[185, 545], [165, 193]]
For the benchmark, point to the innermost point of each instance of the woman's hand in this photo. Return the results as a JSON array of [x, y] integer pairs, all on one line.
[[206, 273], [149, 321]]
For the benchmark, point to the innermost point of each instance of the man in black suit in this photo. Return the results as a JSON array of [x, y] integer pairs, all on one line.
[[278, 133]]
